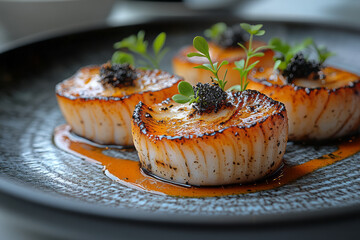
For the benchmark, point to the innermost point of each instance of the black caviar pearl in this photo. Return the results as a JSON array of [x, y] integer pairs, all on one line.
[[211, 97], [231, 36], [117, 75], [299, 67]]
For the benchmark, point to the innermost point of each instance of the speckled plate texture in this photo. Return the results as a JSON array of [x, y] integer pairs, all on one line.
[[30, 160]]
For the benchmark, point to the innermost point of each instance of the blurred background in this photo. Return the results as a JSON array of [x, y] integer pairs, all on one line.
[[23, 21]]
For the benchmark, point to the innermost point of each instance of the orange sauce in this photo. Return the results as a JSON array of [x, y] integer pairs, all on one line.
[[129, 173]]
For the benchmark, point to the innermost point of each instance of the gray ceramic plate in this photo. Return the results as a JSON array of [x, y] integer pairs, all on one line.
[[33, 169]]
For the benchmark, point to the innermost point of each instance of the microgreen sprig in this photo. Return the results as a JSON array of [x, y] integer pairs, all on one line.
[[136, 44], [288, 52], [243, 65], [322, 52], [187, 93], [202, 46], [215, 31]]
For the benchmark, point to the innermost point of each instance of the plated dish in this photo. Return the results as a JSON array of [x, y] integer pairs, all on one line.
[[225, 135], [230, 146], [220, 138], [317, 111], [36, 145], [103, 113], [321, 100]]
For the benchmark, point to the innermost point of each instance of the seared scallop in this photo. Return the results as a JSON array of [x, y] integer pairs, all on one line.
[[326, 108], [242, 141], [184, 66], [101, 112]]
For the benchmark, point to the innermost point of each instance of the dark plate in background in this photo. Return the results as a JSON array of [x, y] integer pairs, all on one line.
[[40, 182]]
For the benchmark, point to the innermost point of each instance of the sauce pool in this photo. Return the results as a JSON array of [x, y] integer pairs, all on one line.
[[128, 172]]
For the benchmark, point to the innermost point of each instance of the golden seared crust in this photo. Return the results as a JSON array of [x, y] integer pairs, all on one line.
[[173, 121], [86, 84], [243, 142], [334, 80], [317, 109], [103, 114], [184, 66]]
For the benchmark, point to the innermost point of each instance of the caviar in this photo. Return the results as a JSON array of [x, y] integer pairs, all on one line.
[[231, 36], [299, 67], [210, 97], [117, 75]]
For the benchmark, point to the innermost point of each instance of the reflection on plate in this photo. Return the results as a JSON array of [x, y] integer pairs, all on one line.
[[122, 165]]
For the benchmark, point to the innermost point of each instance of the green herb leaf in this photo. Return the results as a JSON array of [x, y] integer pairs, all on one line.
[[159, 42], [259, 33], [140, 36], [288, 51], [288, 57], [222, 64], [324, 56], [192, 100], [187, 93], [282, 65], [240, 64], [252, 65], [243, 47], [257, 54], [136, 44], [277, 64], [204, 67], [246, 84], [255, 28], [185, 89], [235, 88], [323, 53], [262, 48], [201, 45], [195, 55], [214, 66], [129, 42], [243, 65], [246, 27], [301, 46], [215, 31], [141, 45], [181, 98], [279, 45], [121, 57]]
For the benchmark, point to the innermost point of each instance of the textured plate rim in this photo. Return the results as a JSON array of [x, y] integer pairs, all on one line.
[[73, 207]]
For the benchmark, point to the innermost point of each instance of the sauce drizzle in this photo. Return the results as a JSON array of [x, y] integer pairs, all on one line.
[[128, 172]]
